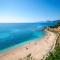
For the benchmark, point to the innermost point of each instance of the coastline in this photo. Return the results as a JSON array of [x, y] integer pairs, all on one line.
[[22, 44], [37, 49]]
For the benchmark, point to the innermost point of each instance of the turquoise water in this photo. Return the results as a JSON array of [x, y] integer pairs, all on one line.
[[36, 36], [13, 35], [12, 38]]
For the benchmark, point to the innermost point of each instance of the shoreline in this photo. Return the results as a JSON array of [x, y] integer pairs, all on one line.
[[37, 50], [22, 44]]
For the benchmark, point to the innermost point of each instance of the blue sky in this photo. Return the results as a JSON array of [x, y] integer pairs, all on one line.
[[29, 10]]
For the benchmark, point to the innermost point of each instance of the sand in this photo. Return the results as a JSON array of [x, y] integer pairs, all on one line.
[[36, 50]]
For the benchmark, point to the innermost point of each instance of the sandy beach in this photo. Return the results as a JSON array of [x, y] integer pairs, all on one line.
[[36, 50]]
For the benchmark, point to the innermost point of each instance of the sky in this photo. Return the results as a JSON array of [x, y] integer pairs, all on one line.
[[29, 10]]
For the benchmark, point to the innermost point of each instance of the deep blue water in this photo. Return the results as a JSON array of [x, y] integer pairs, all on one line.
[[12, 34]]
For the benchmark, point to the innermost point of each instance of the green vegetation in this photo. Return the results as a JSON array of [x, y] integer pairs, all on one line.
[[55, 55]]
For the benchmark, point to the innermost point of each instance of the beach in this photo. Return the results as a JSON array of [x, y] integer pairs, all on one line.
[[36, 50]]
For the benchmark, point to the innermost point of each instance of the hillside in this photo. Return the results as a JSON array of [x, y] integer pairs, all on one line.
[[55, 54]]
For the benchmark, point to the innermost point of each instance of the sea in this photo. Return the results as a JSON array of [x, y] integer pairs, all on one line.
[[13, 35]]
